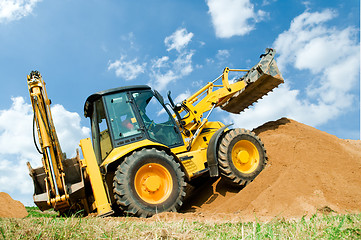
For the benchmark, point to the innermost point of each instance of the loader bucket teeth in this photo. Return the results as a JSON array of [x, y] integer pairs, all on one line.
[[260, 80]]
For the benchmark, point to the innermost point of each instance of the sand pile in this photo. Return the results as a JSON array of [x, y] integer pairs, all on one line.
[[308, 171], [10, 208]]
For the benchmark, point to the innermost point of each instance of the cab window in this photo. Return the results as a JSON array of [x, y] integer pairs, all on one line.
[[121, 116], [104, 138], [157, 120]]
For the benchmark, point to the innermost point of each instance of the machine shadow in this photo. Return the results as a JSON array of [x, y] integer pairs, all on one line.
[[204, 191]]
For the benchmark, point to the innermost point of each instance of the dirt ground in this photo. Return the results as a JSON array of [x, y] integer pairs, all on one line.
[[308, 172], [11, 208]]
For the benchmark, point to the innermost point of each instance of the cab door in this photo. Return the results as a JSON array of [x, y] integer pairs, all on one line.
[[158, 122]]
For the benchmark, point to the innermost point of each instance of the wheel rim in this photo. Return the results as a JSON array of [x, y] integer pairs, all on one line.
[[153, 183], [245, 156]]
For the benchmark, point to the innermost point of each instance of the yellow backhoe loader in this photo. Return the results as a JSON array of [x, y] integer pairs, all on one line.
[[143, 151]]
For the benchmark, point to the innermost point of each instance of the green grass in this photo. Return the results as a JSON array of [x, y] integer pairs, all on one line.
[[35, 212], [47, 226]]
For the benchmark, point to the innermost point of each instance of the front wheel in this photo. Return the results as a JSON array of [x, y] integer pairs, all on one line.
[[148, 182], [241, 156]]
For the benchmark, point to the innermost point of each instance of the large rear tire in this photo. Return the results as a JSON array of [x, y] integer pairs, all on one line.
[[148, 182], [241, 156]]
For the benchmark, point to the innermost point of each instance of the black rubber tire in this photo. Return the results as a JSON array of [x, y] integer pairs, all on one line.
[[227, 168], [127, 197]]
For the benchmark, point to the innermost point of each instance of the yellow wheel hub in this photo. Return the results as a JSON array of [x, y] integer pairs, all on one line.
[[245, 156], [153, 183]]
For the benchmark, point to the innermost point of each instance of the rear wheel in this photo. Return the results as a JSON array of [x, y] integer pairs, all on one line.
[[241, 156], [148, 182]]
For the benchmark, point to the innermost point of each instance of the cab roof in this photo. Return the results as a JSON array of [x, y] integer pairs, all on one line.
[[88, 106]]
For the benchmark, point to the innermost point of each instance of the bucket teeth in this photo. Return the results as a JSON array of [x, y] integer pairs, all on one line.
[[260, 80]]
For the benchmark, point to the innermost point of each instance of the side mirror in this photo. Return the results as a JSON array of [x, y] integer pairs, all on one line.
[[170, 99], [159, 97]]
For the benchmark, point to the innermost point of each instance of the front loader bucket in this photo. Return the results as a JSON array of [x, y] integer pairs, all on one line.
[[260, 80]]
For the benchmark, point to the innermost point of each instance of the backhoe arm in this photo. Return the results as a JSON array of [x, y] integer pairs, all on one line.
[[49, 143]]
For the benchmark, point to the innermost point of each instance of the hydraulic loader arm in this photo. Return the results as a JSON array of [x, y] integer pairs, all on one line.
[[49, 143], [232, 97]]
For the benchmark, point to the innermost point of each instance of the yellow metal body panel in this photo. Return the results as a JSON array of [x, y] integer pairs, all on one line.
[[101, 199], [194, 161], [205, 135], [121, 151], [196, 158], [180, 149]]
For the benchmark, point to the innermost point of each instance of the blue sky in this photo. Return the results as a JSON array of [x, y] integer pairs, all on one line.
[[81, 47]]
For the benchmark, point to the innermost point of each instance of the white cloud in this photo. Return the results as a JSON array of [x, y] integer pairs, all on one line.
[[220, 58], [267, 2], [209, 61], [197, 83], [161, 80], [161, 62], [183, 64], [15, 180], [69, 129], [11, 10], [129, 39], [233, 17], [178, 40], [222, 54], [127, 70], [282, 102], [163, 74], [182, 96], [17, 146], [164, 70], [330, 57], [306, 29], [16, 129]]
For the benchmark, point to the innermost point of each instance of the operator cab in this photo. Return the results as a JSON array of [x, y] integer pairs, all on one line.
[[124, 115]]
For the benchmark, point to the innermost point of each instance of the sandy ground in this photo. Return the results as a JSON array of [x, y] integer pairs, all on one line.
[[308, 171], [11, 208]]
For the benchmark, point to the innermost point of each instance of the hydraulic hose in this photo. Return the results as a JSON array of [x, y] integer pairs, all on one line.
[[36, 145]]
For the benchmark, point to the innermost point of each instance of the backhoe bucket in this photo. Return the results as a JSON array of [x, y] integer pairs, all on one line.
[[40, 194], [260, 80], [73, 179]]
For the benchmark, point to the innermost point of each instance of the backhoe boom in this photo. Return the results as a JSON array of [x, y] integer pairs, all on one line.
[[49, 143]]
